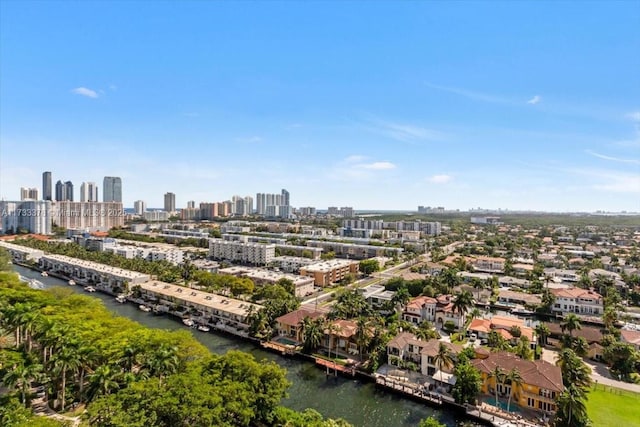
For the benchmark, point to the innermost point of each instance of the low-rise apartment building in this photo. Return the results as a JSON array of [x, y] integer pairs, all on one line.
[[328, 272], [21, 253], [489, 264], [303, 285], [355, 251], [109, 278], [250, 253], [224, 312]]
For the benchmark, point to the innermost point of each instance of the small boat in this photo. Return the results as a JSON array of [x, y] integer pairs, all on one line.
[[72, 283], [203, 328], [90, 289], [44, 274], [188, 322], [144, 308], [121, 299]]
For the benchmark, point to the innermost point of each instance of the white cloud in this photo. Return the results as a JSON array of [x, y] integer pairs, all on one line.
[[613, 159], [85, 92], [378, 166], [536, 99], [356, 158], [250, 140], [476, 96], [633, 116], [440, 179], [403, 132]]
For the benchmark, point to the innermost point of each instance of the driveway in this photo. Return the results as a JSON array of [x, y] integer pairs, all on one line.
[[599, 372]]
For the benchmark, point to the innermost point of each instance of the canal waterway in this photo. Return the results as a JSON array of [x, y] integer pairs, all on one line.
[[359, 402]]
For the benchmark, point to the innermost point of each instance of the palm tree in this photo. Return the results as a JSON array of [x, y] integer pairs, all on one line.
[[478, 285], [498, 375], [102, 381], [129, 358], [86, 358], [426, 331], [312, 333], [574, 370], [65, 360], [362, 334], [572, 410], [542, 331], [571, 323], [29, 320], [20, 377], [462, 303], [515, 379], [164, 361], [475, 313], [443, 357]]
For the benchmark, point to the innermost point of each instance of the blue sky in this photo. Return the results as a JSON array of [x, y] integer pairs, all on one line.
[[375, 105]]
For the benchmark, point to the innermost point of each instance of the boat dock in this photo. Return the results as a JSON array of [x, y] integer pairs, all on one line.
[[330, 364]]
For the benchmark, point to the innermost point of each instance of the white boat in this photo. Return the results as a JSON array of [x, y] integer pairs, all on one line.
[[44, 274], [72, 282], [188, 322], [90, 289], [144, 308], [121, 299], [203, 328]]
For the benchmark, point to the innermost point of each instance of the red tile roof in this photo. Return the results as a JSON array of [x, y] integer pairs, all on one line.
[[295, 317], [538, 373]]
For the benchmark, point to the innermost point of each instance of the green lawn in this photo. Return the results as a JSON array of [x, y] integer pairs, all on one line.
[[612, 407]]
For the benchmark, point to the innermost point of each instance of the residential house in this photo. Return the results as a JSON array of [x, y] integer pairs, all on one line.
[[429, 366], [489, 264], [503, 326], [541, 381], [445, 312], [404, 347], [420, 309], [631, 337], [340, 338], [289, 325], [578, 300]]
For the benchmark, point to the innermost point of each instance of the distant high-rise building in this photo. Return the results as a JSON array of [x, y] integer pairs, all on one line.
[[14, 220], [28, 193], [112, 189], [64, 191], [47, 187], [261, 203], [191, 204], [285, 198], [169, 202], [88, 192], [140, 207]]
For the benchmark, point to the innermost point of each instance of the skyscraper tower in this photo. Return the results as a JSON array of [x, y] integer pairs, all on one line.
[[112, 189], [169, 202], [284, 200], [64, 191], [47, 187], [88, 192]]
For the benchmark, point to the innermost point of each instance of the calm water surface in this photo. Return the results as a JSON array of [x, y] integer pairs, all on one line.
[[358, 402]]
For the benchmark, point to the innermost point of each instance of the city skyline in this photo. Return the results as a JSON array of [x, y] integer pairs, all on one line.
[[520, 106]]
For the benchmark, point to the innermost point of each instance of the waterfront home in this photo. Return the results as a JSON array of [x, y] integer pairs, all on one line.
[[225, 313], [428, 365], [289, 325], [509, 297], [578, 300], [540, 386], [590, 333], [404, 347], [340, 338]]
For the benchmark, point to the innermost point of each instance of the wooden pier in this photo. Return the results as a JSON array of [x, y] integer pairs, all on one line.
[[330, 364], [280, 348]]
